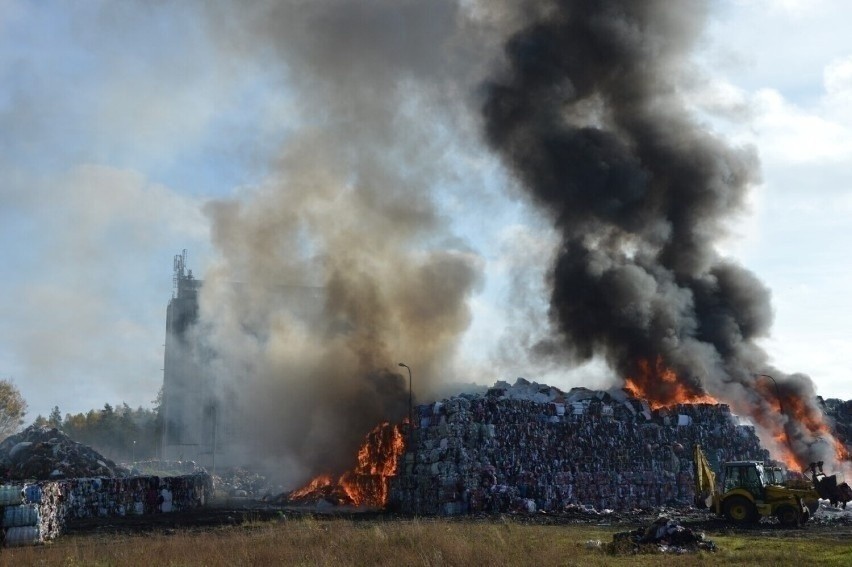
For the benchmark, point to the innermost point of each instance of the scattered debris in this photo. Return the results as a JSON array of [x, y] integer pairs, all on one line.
[[828, 515], [664, 535], [157, 467], [243, 483]]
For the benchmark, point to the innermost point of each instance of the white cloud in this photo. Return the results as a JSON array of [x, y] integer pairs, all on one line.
[[837, 102], [788, 133]]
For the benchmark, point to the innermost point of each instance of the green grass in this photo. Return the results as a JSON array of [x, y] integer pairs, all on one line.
[[410, 542]]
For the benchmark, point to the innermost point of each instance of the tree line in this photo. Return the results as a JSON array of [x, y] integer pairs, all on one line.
[[120, 433]]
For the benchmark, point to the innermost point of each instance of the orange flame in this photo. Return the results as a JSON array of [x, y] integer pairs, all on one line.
[[811, 419], [661, 387], [315, 485], [367, 483]]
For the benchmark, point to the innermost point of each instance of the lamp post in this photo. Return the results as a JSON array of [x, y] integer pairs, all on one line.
[[777, 391], [410, 407], [134, 452]]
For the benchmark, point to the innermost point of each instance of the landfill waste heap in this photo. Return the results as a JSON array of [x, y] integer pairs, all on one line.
[[528, 447], [40, 453]]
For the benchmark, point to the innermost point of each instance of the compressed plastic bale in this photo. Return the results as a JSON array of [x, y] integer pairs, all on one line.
[[11, 495], [21, 515], [23, 535], [32, 494]]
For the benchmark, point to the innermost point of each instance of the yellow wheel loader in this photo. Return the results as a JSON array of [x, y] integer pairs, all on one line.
[[747, 495]]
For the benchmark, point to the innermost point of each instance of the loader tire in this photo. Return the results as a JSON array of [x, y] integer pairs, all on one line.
[[788, 516], [740, 510]]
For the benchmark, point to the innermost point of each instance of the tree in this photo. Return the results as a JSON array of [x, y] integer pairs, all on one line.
[[13, 408], [55, 418]]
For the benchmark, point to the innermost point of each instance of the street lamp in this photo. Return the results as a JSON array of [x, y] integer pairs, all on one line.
[[410, 418], [134, 452], [777, 391]]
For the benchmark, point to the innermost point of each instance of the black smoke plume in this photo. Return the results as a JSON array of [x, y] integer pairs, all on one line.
[[590, 117]]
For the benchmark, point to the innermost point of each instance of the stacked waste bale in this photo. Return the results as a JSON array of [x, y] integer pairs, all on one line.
[[530, 447], [52, 507], [34, 513], [109, 497], [31, 514]]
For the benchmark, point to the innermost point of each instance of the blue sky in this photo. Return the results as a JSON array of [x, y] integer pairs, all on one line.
[[119, 121]]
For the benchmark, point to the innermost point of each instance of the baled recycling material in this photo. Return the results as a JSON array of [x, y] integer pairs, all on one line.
[[73, 481], [57, 502], [529, 447]]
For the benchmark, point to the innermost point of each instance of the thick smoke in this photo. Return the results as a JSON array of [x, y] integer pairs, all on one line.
[[590, 117], [341, 265]]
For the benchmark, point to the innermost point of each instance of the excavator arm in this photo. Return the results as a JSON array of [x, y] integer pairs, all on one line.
[[705, 479]]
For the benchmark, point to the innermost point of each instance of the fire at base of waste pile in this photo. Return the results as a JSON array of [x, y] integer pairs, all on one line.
[[529, 447], [367, 483]]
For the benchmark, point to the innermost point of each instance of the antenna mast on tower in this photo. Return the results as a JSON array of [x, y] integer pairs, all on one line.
[[179, 272]]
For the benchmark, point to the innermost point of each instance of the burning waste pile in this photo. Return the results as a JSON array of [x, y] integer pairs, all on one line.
[[368, 483], [841, 413], [528, 447], [42, 453]]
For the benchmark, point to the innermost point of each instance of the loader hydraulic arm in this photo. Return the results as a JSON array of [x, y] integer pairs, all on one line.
[[705, 479]]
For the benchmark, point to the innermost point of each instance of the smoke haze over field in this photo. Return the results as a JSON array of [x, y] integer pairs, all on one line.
[[480, 189]]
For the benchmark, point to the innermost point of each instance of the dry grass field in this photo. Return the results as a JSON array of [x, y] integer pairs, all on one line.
[[310, 541]]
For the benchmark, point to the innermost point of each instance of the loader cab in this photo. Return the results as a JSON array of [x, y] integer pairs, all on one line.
[[748, 475], [775, 475]]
